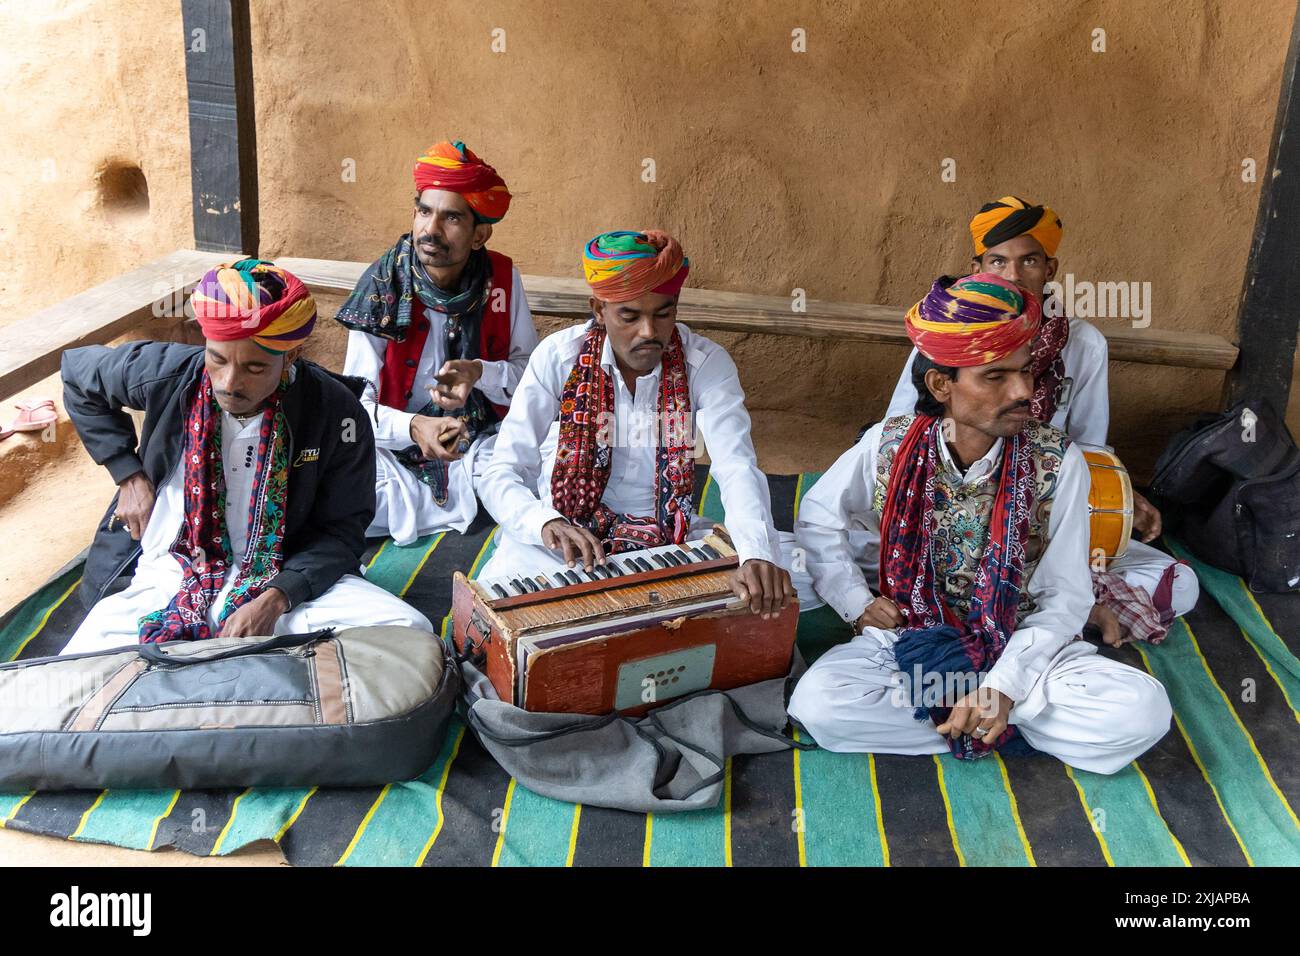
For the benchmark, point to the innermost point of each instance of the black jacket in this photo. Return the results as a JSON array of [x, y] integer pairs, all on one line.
[[331, 496]]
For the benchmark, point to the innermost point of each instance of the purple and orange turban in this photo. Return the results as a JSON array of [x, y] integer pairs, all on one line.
[[454, 167], [974, 321], [254, 299], [1011, 216], [621, 266]]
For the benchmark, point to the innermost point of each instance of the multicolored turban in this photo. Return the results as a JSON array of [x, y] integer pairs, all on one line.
[[1010, 216], [621, 266], [973, 321], [454, 167], [254, 299]]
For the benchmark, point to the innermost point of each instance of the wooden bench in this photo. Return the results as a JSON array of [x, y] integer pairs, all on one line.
[[30, 348]]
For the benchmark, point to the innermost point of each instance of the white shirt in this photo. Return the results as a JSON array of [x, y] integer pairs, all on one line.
[[365, 358], [1061, 584], [515, 487], [1084, 415]]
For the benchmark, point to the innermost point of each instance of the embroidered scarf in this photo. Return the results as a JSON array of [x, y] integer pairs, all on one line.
[[202, 548], [1047, 364], [381, 304], [933, 638], [583, 456]]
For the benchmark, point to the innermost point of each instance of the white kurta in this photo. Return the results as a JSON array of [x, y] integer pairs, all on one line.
[[1090, 712], [404, 505], [1084, 415], [516, 486], [115, 621]]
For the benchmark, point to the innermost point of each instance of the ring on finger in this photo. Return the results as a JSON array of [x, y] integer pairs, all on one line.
[[979, 732]]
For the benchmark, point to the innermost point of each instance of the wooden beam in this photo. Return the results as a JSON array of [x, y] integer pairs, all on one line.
[[1269, 312], [223, 141], [31, 347], [771, 315]]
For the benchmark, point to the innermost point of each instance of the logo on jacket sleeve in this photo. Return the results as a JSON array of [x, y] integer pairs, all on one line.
[[307, 455]]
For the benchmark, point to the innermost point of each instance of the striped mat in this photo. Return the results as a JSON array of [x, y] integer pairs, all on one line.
[[1220, 789]]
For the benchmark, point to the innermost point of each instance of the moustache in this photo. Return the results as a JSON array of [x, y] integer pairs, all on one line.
[[1015, 406], [648, 345], [236, 396]]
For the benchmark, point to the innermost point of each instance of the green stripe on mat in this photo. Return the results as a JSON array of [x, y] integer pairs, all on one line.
[[126, 818], [692, 838], [30, 617], [393, 568], [1233, 596], [259, 815], [535, 830], [1124, 816], [1264, 822], [840, 810], [984, 820], [11, 803], [397, 828]]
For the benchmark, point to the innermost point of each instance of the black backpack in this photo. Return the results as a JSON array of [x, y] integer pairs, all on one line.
[[1229, 486]]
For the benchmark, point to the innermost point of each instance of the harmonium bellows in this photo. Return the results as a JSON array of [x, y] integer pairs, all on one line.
[[647, 627]]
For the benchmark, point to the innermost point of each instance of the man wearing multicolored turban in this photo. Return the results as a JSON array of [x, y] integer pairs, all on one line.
[[596, 460], [1142, 591], [244, 505], [965, 641], [440, 328]]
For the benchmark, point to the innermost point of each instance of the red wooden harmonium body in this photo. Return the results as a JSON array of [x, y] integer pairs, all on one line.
[[652, 626]]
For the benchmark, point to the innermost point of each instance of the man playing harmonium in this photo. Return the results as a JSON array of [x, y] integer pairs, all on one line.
[[980, 516], [1143, 590], [244, 504], [596, 458], [441, 331]]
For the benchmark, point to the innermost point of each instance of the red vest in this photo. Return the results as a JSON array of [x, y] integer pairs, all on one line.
[[401, 359]]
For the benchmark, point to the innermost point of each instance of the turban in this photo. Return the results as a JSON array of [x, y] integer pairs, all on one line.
[[997, 222], [976, 320], [621, 266], [254, 299], [455, 168]]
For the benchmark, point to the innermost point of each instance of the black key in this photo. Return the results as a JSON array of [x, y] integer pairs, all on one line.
[[500, 590], [681, 557], [643, 564], [660, 560], [710, 552], [697, 554], [572, 576], [600, 572], [612, 569], [514, 583], [671, 558], [531, 585], [561, 579]]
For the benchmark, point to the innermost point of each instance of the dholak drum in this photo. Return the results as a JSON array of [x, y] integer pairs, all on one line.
[[1110, 504]]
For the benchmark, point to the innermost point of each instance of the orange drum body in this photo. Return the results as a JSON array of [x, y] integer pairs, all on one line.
[[1110, 504]]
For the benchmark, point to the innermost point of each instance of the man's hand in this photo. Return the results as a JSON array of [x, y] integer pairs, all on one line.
[[766, 587], [1146, 519], [1104, 619], [257, 618], [135, 499], [882, 613], [455, 379], [438, 437], [985, 710], [577, 544]]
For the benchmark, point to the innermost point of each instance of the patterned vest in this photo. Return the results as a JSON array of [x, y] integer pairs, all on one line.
[[961, 514]]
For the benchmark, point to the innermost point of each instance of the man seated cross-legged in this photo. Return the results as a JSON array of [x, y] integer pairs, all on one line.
[[243, 505], [596, 456], [980, 517]]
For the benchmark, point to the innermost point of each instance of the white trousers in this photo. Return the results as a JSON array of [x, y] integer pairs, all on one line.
[[352, 602], [1085, 710], [404, 505]]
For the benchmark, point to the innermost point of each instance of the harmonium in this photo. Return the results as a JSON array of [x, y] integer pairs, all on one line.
[[645, 628]]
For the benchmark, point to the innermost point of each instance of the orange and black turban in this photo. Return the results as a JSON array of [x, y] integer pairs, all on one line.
[[1010, 216]]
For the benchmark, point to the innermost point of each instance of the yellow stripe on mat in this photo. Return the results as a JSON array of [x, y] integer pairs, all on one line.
[[423, 561], [880, 816], [800, 820], [442, 785], [45, 619], [153, 832], [234, 808], [86, 816], [1087, 811], [649, 837], [573, 834], [947, 809], [1151, 795], [1015, 809], [365, 822], [505, 817], [17, 806], [726, 812]]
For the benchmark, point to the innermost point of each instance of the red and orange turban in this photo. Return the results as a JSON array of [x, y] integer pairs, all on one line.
[[455, 168], [621, 266], [974, 321], [254, 299], [997, 222]]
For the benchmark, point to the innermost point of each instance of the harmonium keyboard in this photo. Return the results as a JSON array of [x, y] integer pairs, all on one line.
[[646, 627]]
